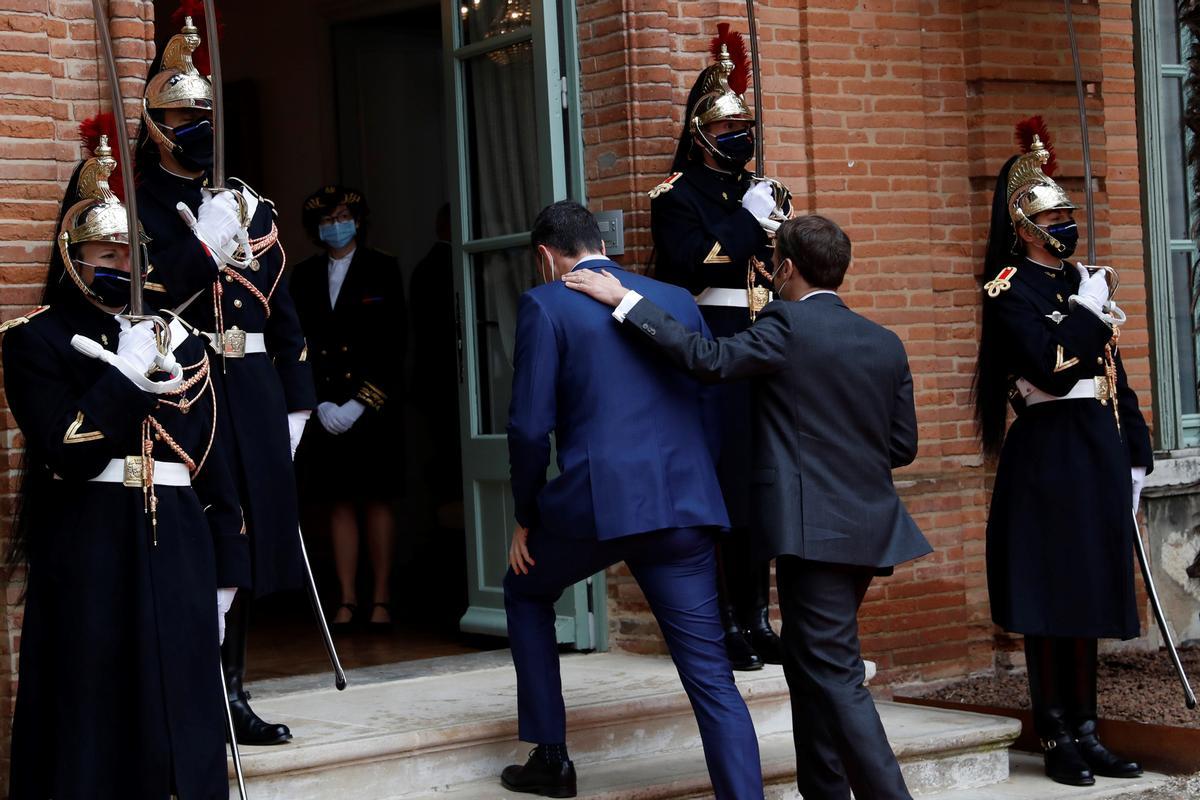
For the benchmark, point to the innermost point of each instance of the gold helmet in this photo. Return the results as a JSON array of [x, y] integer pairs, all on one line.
[[1030, 189], [722, 84], [97, 216], [177, 84]]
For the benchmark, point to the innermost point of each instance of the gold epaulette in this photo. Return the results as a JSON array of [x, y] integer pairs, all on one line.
[[15, 321], [665, 186], [1001, 283]]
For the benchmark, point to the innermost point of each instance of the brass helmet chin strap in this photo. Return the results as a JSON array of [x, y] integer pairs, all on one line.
[[1023, 222]]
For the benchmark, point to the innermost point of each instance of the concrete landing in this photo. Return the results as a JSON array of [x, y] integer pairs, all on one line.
[[630, 729]]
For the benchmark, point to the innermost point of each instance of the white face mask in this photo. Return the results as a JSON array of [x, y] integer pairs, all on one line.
[[779, 292]]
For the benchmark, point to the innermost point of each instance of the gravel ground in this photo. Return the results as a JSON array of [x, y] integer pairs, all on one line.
[[1140, 687]]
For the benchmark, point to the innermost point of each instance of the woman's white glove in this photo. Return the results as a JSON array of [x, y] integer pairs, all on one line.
[[339, 419], [296, 422], [137, 344], [218, 222], [224, 603], [759, 200], [1139, 480]]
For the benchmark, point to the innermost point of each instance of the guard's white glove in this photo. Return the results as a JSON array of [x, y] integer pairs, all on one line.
[[759, 200], [224, 603], [296, 422], [1093, 291], [1139, 480], [339, 419], [137, 344], [218, 221]]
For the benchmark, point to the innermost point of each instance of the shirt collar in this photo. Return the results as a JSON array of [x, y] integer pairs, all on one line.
[[337, 262], [588, 258], [817, 292]]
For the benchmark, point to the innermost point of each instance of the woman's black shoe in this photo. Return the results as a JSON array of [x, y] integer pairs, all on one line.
[[741, 655], [1103, 761], [548, 777], [348, 625], [381, 627], [1064, 763]]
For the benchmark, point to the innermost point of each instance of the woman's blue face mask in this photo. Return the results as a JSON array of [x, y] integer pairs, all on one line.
[[337, 234]]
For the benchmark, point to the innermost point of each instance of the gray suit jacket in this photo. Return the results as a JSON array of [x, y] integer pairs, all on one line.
[[833, 415]]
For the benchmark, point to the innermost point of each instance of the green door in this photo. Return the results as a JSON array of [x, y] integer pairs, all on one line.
[[513, 113]]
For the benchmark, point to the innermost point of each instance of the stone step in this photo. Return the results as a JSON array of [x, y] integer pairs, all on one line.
[[1027, 780], [936, 752], [455, 732]]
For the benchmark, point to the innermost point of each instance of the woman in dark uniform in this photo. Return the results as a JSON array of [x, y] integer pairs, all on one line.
[[128, 523], [705, 220], [262, 376], [351, 304], [1061, 525]]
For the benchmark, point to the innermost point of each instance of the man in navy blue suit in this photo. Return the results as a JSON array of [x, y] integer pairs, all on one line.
[[636, 484]]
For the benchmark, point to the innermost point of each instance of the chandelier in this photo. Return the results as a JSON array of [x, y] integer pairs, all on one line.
[[513, 15]]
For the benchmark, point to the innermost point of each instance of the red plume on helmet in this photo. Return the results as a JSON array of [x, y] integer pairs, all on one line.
[[739, 79], [195, 10], [90, 131], [1026, 130]]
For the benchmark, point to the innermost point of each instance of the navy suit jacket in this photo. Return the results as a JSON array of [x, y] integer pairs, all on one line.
[[635, 439]]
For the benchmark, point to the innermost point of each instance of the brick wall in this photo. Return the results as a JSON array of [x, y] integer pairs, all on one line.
[[892, 117], [48, 84]]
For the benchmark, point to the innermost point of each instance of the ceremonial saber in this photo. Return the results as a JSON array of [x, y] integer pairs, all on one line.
[[125, 159], [752, 32], [218, 90], [339, 676], [1189, 698], [232, 731], [1084, 140]]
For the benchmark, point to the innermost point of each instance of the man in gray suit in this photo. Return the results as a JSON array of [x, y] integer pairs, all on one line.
[[833, 417]]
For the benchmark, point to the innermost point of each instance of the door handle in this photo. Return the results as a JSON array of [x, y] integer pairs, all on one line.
[[460, 344]]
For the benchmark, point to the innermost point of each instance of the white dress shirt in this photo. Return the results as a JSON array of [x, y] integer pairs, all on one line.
[[338, 267]]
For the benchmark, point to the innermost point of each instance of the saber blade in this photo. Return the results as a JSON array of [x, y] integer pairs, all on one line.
[[339, 675], [1083, 134], [232, 731], [752, 32], [218, 116], [1189, 698], [124, 158]]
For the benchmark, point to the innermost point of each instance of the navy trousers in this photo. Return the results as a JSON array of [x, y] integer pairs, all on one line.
[[676, 569], [840, 741]]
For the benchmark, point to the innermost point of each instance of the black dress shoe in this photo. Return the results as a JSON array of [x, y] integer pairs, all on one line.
[[252, 729], [1099, 758], [545, 777], [1064, 763], [741, 655]]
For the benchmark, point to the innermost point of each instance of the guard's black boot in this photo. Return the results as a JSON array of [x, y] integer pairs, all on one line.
[[757, 628], [1064, 763], [548, 772], [1077, 662], [1102, 761], [742, 656], [249, 727]]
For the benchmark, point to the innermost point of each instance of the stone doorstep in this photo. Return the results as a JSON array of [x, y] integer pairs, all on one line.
[[939, 754], [1027, 780], [419, 733]]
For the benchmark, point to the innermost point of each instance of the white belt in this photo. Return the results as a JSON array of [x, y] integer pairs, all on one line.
[[1086, 389], [237, 343], [731, 298], [128, 471]]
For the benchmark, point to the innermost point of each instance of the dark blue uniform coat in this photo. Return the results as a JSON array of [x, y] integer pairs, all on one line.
[[1060, 529], [704, 238], [119, 695], [256, 392]]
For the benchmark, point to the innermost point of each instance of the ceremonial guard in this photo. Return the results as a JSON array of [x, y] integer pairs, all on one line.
[[706, 220], [215, 253], [351, 304], [1061, 525], [127, 519]]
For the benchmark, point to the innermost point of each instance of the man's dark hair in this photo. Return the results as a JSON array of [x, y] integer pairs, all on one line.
[[818, 248], [567, 227]]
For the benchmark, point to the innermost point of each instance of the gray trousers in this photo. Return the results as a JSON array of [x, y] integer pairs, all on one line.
[[840, 742]]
